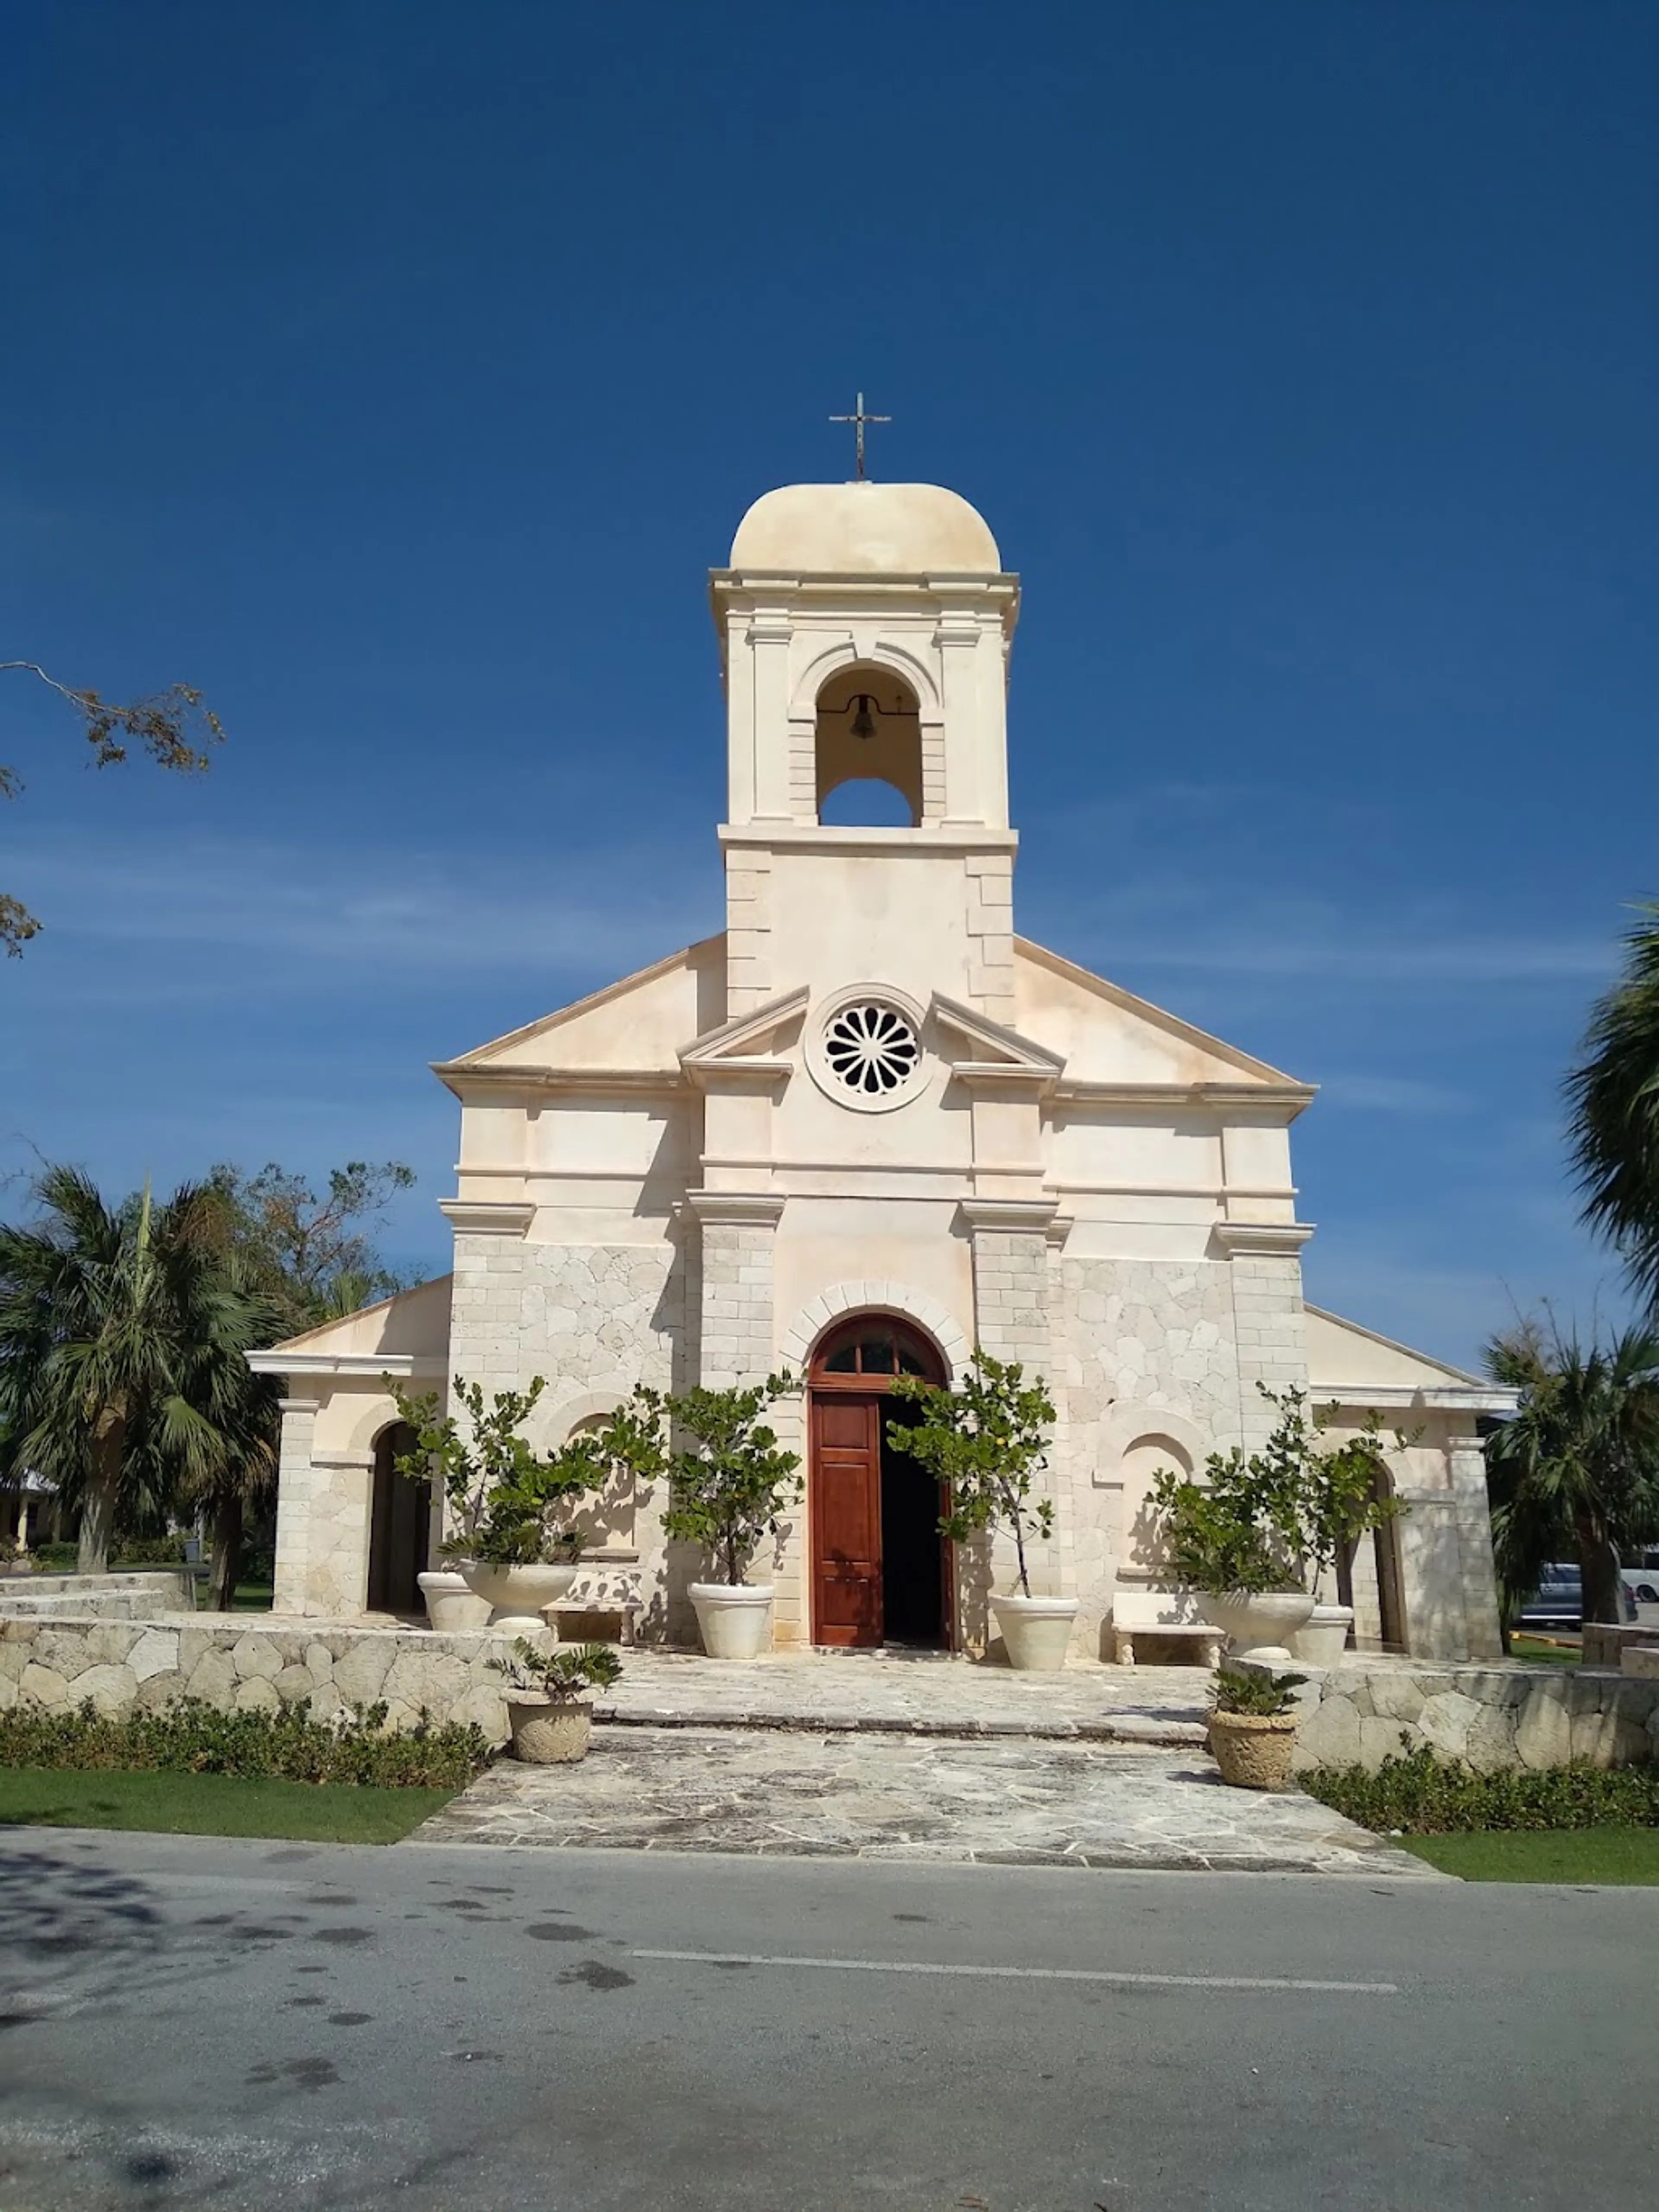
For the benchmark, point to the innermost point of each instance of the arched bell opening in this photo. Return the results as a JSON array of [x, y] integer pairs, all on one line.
[[881, 1570], [869, 733], [399, 1526]]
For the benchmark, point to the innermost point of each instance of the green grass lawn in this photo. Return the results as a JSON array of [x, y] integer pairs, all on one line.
[[1545, 1651], [211, 1805], [1566, 1855]]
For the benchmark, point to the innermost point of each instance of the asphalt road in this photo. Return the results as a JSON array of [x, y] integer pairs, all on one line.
[[193, 2022]]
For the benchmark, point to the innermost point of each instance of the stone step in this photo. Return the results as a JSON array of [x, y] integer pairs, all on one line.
[[1131, 1730]]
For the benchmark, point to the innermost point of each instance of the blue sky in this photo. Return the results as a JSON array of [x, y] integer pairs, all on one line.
[[394, 372]]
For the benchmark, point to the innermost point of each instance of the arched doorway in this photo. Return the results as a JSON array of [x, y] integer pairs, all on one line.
[[399, 1526], [881, 1572]]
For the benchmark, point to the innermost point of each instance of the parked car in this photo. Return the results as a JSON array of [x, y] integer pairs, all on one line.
[[1558, 1600], [1642, 1581]]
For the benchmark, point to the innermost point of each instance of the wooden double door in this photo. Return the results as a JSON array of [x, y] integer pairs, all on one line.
[[880, 1568]]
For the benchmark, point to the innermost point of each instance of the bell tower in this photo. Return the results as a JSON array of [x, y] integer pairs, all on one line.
[[865, 633]]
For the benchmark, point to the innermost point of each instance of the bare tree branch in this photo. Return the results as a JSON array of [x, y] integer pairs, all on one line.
[[163, 725]]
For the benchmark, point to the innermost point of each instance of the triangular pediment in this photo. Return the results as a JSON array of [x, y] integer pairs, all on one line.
[[634, 1026], [748, 1039], [990, 1046], [1110, 1040]]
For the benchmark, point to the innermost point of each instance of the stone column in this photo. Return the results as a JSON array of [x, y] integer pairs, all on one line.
[[1269, 1327], [294, 1500], [1470, 1507]]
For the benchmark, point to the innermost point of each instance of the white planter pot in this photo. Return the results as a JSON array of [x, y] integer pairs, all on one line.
[[1322, 1642], [515, 1595], [450, 1604], [733, 1618], [1036, 1631], [1259, 1626]]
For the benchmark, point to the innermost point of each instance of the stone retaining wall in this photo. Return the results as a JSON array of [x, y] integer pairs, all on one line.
[[237, 1664], [1504, 1715]]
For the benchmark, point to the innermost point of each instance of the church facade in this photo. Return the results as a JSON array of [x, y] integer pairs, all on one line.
[[862, 1129]]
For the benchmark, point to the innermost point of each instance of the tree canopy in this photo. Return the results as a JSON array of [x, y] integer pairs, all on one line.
[[1574, 1474], [1614, 1096]]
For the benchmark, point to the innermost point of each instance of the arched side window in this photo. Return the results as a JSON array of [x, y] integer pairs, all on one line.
[[869, 732]]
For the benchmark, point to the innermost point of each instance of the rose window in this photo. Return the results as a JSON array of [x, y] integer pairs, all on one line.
[[872, 1049]]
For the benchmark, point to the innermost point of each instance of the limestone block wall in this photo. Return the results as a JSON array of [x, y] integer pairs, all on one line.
[[1504, 1715], [125, 1667], [1148, 1366], [592, 1320]]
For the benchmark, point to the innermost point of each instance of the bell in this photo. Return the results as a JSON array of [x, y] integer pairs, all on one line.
[[862, 724]]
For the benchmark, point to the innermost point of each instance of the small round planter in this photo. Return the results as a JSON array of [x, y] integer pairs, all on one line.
[[516, 1595], [1252, 1750], [450, 1604], [1036, 1631], [549, 1731], [1259, 1626], [733, 1618], [1325, 1638]]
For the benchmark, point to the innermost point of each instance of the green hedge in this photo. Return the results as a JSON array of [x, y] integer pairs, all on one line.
[[1420, 1794], [190, 1736]]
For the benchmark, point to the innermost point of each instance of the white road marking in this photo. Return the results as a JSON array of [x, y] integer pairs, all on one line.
[[1030, 1974]]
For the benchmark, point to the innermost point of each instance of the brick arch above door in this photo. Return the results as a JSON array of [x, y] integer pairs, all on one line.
[[877, 1297]]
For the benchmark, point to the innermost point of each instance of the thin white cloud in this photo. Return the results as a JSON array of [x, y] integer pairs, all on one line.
[[1392, 1094]]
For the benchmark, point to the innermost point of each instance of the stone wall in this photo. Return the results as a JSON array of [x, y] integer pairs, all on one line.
[[139, 1665], [1501, 1716]]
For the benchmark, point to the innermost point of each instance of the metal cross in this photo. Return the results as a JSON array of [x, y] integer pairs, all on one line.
[[858, 422]]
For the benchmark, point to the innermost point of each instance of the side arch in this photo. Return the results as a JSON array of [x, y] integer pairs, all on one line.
[[901, 1299]]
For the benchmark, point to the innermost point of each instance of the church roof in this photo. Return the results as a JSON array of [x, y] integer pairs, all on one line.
[[865, 530]]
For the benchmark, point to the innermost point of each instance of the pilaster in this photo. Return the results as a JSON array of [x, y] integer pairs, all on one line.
[[294, 1487], [738, 1235], [1269, 1328], [1465, 1466]]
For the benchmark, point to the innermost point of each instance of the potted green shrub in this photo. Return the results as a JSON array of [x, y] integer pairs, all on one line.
[[987, 1442], [1251, 1537], [551, 1722], [1252, 1727], [505, 1501], [729, 1485]]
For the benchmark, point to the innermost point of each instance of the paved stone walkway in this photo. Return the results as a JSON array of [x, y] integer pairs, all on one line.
[[1012, 1801], [919, 1694]]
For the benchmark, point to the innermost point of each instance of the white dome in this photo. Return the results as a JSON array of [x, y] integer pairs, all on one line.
[[865, 530]]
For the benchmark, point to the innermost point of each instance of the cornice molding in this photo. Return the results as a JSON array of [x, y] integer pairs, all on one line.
[[757, 1209], [345, 1365], [1031, 1216], [1277, 1240], [460, 1079], [1274, 1099], [488, 1217]]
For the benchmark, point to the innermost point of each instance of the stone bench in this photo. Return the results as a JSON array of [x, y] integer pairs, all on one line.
[[1142, 1617], [606, 1582]]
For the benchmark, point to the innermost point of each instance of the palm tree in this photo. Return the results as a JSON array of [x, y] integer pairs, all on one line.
[[1575, 1471], [122, 1335], [1613, 1095]]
